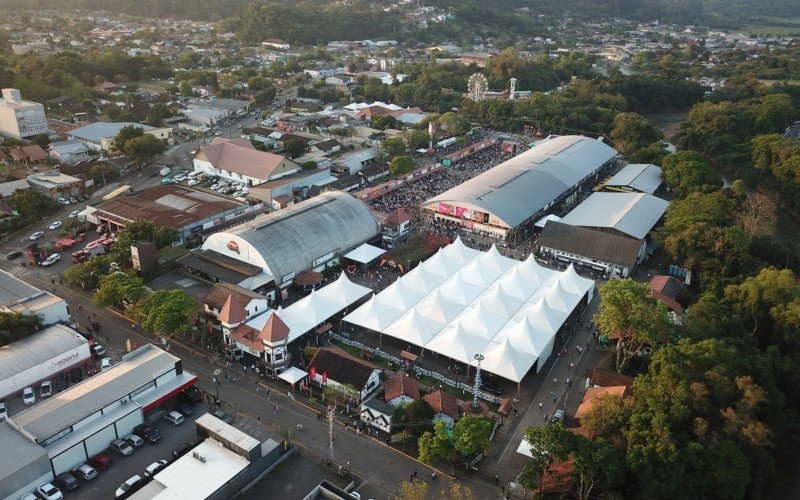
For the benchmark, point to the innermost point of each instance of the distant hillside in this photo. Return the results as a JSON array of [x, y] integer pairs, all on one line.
[[184, 9]]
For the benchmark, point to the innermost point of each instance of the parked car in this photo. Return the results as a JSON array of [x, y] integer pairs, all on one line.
[[74, 214], [187, 410], [122, 447], [154, 173], [54, 225], [191, 395], [72, 199], [28, 496], [52, 259], [154, 468], [98, 351], [174, 418], [129, 485], [151, 434], [224, 416], [28, 396], [14, 255], [62, 382], [35, 236], [76, 375], [134, 440], [101, 461], [105, 363], [3, 411], [63, 201], [166, 180], [193, 182], [85, 472], [91, 369], [47, 491], [46, 389], [558, 416], [67, 481]]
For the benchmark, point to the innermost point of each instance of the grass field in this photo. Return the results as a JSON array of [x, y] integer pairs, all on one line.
[[770, 29]]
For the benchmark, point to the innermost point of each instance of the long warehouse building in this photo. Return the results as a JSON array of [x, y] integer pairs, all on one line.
[[519, 191]]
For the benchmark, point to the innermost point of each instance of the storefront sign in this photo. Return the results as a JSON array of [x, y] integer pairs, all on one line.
[[233, 246]]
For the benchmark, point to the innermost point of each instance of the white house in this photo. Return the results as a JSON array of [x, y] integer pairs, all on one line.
[[240, 161]]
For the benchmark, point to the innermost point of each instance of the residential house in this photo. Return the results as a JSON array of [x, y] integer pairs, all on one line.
[[328, 146], [445, 405], [401, 389], [68, 151], [377, 413], [667, 289], [28, 154], [227, 306], [600, 377], [54, 184], [240, 161], [317, 73], [270, 342], [336, 367], [100, 136], [276, 43], [395, 227], [593, 394]]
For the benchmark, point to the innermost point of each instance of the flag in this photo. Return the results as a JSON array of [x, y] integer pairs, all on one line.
[[313, 372], [324, 377]]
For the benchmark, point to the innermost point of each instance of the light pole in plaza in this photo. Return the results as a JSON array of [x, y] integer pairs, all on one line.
[[478, 357]]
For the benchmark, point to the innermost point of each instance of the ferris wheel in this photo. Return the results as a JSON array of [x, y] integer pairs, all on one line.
[[477, 85]]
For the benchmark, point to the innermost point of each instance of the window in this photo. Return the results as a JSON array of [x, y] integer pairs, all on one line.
[[278, 356]]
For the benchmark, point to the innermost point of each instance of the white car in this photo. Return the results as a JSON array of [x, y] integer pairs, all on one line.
[[28, 396], [74, 214], [52, 259], [193, 182], [3, 411], [35, 236], [127, 485], [54, 225], [85, 472], [153, 468], [49, 492], [46, 389], [105, 364], [63, 201]]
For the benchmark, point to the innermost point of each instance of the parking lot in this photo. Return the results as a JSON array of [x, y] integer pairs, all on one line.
[[172, 438]]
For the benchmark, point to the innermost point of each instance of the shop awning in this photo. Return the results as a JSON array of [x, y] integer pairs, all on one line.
[[365, 254], [293, 375]]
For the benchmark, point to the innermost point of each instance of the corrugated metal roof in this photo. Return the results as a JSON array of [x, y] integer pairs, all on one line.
[[227, 432], [633, 214], [291, 239], [590, 243], [530, 181], [645, 178], [20, 453], [37, 348]]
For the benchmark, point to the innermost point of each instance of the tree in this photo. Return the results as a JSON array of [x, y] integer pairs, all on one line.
[[104, 173], [763, 301], [415, 418], [597, 467], [126, 134], [417, 490], [471, 435], [393, 146], [550, 445], [158, 112], [452, 123], [166, 312], [186, 89], [341, 394], [633, 132], [401, 165], [119, 290], [436, 445], [418, 139], [455, 489], [309, 165], [294, 148], [627, 311], [41, 140], [607, 419], [382, 122], [758, 216], [144, 148], [264, 96], [142, 230], [87, 274], [686, 172], [16, 326]]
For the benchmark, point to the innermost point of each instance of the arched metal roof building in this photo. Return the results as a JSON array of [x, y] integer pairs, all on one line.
[[516, 190], [299, 237]]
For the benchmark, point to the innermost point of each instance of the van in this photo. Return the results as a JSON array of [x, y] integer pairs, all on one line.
[[174, 418], [165, 171]]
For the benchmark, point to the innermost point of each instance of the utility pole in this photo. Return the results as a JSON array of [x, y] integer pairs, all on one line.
[[331, 414]]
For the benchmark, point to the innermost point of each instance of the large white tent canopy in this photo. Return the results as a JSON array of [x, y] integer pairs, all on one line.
[[293, 375], [365, 253], [462, 302]]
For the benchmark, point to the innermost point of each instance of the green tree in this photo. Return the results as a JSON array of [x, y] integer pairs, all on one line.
[[383, 122], [119, 290], [471, 435], [144, 148], [265, 96], [87, 274], [142, 230], [632, 132], [418, 139], [166, 312], [607, 419], [436, 445], [31, 204], [686, 172], [309, 165], [417, 490], [126, 134], [392, 147], [186, 89], [41, 140], [341, 394], [415, 418], [401, 165], [103, 173], [598, 468], [453, 123], [550, 445], [16, 326], [158, 112], [628, 311], [294, 148]]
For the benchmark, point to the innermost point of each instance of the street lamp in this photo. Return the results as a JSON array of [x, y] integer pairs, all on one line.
[[478, 357]]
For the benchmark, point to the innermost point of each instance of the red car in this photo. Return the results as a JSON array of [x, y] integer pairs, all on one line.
[[91, 369], [101, 462]]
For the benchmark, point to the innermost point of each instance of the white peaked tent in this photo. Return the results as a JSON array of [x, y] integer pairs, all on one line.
[[532, 271], [498, 302], [413, 328], [421, 280], [542, 317], [399, 296], [505, 361], [365, 254], [479, 275], [554, 294], [440, 265], [524, 337], [439, 309], [481, 322], [493, 260], [457, 343], [459, 252], [313, 309], [343, 292], [374, 315], [457, 290], [576, 284], [516, 285]]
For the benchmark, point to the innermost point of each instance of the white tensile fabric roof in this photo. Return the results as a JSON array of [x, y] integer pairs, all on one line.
[[293, 375], [365, 253], [343, 292], [462, 302]]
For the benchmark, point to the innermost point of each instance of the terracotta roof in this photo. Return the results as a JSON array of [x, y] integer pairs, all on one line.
[[243, 334], [5, 209], [232, 312], [594, 393], [558, 477], [241, 157], [308, 278], [666, 289], [33, 153], [373, 111], [396, 217], [608, 378], [401, 385], [327, 144], [443, 402], [220, 292], [341, 367], [274, 330]]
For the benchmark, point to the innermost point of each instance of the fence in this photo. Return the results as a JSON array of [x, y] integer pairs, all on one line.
[[468, 388]]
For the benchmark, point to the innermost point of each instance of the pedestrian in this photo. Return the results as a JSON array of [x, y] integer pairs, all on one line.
[[269, 393], [496, 479], [257, 386], [569, 383], [258, 417], [540, 405], [415, 473], [236, 406], [571, 366], [516, 413], [503, 490], [545, 417], [275, 407], [107, 339], [412, 477], [433, 476], [555, 380]]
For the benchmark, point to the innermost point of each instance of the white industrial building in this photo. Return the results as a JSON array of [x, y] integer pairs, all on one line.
[[78, 423], [100, 136], [20, 118], [40, 356], [238, 160], [462, 302], [17, 296]]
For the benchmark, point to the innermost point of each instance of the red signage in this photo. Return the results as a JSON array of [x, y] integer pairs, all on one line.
[[233, 246], [313, 372], [324, 377]]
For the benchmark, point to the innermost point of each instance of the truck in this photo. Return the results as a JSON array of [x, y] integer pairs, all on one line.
[[80, 256], [65, 244]]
